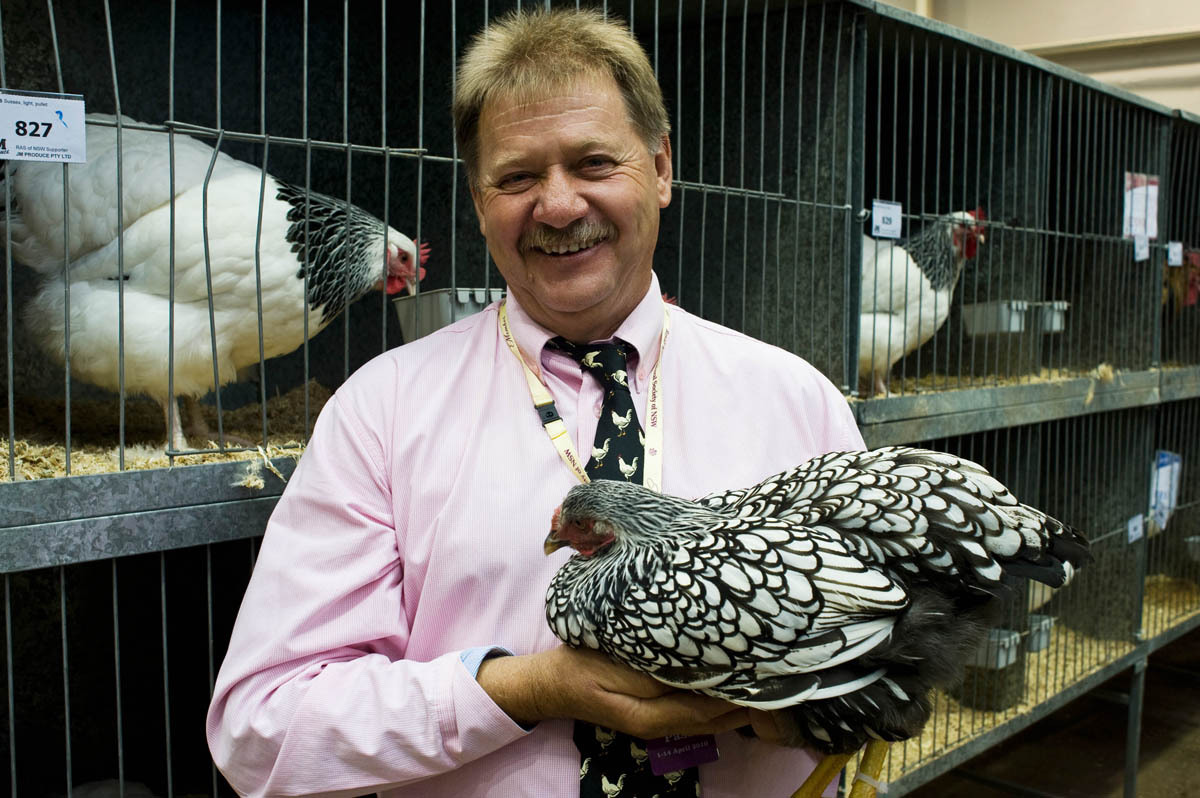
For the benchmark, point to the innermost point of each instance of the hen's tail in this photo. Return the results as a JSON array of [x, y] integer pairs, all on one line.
[[1064, 551]]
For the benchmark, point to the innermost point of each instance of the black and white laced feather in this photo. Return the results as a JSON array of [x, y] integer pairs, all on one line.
[[326, 233], [837, 593]]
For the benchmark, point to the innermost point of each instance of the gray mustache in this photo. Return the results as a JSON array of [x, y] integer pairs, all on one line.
[[581, 233]]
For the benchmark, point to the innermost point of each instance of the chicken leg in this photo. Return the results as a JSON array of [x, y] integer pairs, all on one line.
[[822, 775], [197, 429], [871, 766], [174, 426]]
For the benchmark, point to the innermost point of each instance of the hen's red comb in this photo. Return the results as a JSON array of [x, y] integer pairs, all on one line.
[[425, 250]]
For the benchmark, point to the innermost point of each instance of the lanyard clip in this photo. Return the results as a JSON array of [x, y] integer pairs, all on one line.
[[548, 413]]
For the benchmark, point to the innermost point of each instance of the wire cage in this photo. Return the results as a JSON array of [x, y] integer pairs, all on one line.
[[113, 662], [1181, 269], [1106, 149], [315, 113], [1041, 347], [1053, 290], [1095, 472], [951, 128], [1172, 590], [763, 108]]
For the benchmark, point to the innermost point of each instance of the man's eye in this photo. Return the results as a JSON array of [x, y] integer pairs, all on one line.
[[515, 180], [596, 162]]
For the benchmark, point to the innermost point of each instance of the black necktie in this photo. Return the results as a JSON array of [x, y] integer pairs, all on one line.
[[618, 450], [614, 764]]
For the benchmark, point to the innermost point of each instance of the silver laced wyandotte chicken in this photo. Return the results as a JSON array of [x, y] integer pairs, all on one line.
[[836, 595], [306, 256]]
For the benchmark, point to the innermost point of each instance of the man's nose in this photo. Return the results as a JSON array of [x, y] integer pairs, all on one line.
[[559, 201]]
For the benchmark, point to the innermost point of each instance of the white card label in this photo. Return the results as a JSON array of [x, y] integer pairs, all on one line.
[[885, 219], [1174, 253], [1136, 527], [1164, 490], [1141, 205], [1141, 248], [36, 126]]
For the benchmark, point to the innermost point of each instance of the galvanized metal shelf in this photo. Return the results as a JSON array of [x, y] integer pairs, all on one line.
[[917, 417], [1180, 383], [52, 522]]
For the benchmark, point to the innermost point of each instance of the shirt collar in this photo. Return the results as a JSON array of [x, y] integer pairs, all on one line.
[[641, 328]]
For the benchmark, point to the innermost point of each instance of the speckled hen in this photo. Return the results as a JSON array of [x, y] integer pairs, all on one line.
[[836, 594]]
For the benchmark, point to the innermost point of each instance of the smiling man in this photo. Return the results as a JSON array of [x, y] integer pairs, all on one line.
[[568, 196], [393, 636]]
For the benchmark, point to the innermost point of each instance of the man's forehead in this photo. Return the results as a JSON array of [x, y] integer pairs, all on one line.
[[576, 117], [526, 103]]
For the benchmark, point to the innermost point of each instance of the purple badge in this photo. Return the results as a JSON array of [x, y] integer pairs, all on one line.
[[677, 751]]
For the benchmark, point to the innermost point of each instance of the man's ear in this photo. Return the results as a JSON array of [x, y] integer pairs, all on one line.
[[665, 172]]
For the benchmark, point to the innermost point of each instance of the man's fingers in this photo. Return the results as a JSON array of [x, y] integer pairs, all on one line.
[[684, 713], [765, 726]]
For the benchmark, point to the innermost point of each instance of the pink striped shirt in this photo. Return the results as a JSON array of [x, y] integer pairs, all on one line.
[[412, 531]]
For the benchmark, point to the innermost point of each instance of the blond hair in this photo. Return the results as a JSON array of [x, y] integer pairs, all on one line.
[[525, 55]]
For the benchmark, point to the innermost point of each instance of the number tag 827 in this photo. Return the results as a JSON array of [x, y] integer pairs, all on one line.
[[44, 127], [24, 128]]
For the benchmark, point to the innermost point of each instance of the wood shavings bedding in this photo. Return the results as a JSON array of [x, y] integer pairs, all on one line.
[[39, 453]]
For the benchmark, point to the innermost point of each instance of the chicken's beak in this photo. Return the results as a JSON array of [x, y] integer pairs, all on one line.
[[553, 541]]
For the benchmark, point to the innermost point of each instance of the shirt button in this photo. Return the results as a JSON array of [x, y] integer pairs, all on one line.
[[641, 375], [596, 409]]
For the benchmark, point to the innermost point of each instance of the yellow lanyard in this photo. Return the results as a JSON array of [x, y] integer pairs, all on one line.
[[543, 402]]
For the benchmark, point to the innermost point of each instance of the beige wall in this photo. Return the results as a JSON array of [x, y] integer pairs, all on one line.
[[1150, 47]]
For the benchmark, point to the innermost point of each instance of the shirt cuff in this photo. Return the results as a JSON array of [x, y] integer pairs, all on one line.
[[472, 658]]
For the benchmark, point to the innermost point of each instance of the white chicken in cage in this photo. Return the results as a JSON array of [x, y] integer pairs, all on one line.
[[906, 291], [119, 290]]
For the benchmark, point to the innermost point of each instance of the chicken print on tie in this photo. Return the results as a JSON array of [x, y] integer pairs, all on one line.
[[612, 790], [621, 422], [627, 469]]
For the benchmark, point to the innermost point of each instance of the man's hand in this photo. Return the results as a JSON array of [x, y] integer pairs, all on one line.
[[581, 684]]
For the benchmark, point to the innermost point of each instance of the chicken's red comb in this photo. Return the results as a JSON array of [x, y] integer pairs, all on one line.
[[425, 250], [979, 214]]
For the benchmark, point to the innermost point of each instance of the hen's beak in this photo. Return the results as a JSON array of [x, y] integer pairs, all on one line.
[[553, 541]]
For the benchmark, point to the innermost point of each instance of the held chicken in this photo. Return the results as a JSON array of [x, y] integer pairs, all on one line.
[[907, 288], [835, 595], [343, 250]]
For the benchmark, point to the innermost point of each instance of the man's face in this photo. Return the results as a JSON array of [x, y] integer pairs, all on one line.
[[568, 198]]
